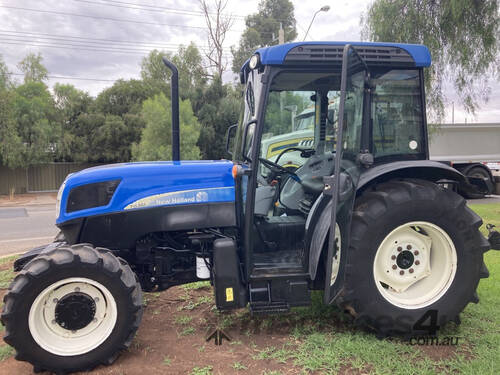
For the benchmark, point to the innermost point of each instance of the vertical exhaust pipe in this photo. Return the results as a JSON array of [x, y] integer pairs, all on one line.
[[174, 85]]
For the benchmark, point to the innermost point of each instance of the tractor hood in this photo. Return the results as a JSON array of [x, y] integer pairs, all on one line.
[[137, 186]]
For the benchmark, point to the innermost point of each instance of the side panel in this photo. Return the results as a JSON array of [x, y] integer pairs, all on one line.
[[121, 230]]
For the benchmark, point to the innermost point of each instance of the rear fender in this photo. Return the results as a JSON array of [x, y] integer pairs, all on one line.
[[318, 222]]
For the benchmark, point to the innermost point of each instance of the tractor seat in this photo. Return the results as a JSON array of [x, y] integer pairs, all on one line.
[[313, 185]]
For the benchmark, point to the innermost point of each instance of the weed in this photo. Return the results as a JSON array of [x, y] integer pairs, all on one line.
[[183, 319], [187, 331], [207, 370], [239, 366], [6, 277], [196, 285], [167, 361]]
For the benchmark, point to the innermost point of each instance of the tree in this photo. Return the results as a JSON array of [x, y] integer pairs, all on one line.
[[5, 80], [125, 96], [262, 29], [188, 60], [220, 110], [85, 137], [156, 140], [33, 68], [70, 103], [218, 25], [35, 124], [462, 36]]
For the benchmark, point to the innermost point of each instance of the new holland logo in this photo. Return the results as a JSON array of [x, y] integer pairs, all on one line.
[[221, 194]]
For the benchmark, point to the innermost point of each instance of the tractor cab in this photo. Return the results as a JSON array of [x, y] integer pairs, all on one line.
[[354, 98]]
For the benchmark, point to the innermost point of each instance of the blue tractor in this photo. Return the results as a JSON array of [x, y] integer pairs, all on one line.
[[366, 217]]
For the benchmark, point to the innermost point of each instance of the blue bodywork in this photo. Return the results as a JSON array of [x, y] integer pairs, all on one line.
[[275, 55], [157, 183]]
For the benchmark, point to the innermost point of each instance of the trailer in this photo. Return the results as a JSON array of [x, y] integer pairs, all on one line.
[[472, 149]]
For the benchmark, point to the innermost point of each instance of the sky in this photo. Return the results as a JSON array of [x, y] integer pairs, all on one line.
[[100, 41]]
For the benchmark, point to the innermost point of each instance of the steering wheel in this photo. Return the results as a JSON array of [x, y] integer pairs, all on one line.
[[276, 168]]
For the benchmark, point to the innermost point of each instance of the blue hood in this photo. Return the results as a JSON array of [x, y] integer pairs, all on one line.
[[151, 184]]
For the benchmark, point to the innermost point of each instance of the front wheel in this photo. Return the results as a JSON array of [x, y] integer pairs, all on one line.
[[415, 253], [72, 309]]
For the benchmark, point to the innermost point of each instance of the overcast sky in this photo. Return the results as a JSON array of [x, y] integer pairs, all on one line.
[[89, 38]]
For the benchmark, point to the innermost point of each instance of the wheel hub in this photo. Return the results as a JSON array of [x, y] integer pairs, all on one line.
[[75, 311], [405, 259]]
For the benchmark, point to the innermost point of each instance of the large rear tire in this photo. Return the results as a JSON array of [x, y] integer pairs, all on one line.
[[72, 309], [415, 258]]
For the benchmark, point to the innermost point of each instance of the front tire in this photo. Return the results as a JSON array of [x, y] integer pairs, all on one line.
[[415, 252], [72, 309]]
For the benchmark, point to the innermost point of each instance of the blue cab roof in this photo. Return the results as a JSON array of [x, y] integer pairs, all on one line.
[[275, 55]]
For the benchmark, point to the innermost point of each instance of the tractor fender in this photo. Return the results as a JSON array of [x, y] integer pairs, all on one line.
[[318, 221]]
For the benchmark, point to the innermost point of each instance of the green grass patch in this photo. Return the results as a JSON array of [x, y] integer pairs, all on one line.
[[322, 340], [8, 259], [196, 285], [6, 352], [207, 370], [6, 277], [187, 331]]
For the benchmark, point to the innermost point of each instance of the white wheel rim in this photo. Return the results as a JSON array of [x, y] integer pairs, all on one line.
[[422, 278], [52, 337], [336, 257]]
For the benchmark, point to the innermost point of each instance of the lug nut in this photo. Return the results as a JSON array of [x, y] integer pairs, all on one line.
[[393, 257], [401, 272], [77, 289], [415, 252], [400, 248], [417, 262], [411, 270], [96, 299], [94, 320], [55, 300], [394, 267], [408, 247], [54, 321]]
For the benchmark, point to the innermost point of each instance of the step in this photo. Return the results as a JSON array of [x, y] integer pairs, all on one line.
[[257, 308]]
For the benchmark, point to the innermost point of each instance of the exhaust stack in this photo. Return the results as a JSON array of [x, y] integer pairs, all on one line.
[[174, 85]]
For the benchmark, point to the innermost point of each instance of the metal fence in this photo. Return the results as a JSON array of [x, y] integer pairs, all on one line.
[[37, 178]]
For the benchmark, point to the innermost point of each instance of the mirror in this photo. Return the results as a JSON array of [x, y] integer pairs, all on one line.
[[248, 133], [230, 137]]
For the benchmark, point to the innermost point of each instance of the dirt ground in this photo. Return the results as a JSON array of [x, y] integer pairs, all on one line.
[[27, 199], [171, 339]]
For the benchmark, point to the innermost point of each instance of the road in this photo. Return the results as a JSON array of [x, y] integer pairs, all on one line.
[[24, 227]]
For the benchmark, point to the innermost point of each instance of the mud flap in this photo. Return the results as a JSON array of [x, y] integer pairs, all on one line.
[[26, 257]]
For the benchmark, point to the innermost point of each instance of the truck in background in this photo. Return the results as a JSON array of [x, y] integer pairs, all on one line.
[[472, 149]]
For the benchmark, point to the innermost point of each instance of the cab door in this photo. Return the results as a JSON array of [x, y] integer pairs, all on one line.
[[341, 186]]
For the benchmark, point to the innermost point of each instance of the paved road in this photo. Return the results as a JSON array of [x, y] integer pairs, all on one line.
[[489, 199], [24, 227]]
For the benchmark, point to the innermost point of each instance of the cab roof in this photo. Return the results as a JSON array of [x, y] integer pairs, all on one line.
[[374, 53]]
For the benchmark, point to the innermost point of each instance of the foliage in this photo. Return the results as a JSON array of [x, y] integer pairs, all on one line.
[[33, 110], [219, 111], [189, 63], [5, 80], [33, 68], [156, 140], [462, 35], [262, 29], [70, 103]]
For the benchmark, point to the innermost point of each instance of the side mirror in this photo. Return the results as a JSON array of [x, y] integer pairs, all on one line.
[[230, 135], [249, 127]]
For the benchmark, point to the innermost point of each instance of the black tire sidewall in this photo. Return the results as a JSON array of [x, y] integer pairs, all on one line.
[[96, 272], [383, 315]]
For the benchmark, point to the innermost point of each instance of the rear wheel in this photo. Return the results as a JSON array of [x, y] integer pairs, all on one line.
[[415, 253], [72, 309], [479, 172]]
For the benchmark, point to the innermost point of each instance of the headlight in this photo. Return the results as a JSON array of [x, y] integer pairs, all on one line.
[[91, 195], [254, 61], [58, 199]]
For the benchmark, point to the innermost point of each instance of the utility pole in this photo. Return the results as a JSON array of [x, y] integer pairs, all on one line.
[[453, 112], [281, 35]]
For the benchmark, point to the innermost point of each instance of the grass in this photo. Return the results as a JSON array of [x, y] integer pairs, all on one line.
[[207, 370], [316, 345], [5, 352], [167, 361], [196, 285]]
